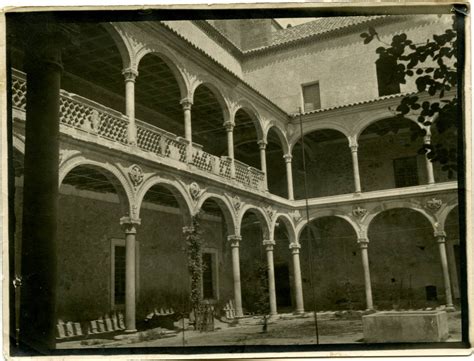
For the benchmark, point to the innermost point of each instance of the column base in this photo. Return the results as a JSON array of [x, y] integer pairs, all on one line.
[[131, 331], [299, 312], [450, 308]]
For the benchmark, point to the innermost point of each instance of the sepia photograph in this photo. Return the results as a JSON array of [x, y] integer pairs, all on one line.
[[202, 181]]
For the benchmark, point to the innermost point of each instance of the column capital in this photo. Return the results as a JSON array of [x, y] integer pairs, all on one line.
[[268, 243], [130, 74], [353, 147], [262, 144], [427, 138], [129, 224], [295, 247], [229, 126], [440, 236], [363, 242], [287, 158], [234, 240], [186, 103]]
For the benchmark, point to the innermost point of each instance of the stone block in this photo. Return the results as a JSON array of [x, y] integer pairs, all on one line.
[[408, 326]]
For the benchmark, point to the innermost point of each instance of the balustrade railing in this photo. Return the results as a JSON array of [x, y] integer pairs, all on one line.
[[97, 120]]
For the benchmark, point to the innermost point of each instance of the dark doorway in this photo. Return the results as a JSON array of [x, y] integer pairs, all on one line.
[[283, 290]]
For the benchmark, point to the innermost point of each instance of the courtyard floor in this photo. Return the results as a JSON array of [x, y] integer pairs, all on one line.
[[283, 330]]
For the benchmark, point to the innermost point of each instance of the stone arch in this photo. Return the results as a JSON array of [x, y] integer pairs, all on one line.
[[281, 135], [175, 187], [364, 123], [110, 171], [171, 61], [224, 205], [330, 213], [121, 43], [443, 214], [261, 216], [324, 125], [216, 91], [253, 113], [398, 204], [288, 225]]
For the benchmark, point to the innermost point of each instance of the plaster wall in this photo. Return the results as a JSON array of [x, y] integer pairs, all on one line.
[[343, 66]]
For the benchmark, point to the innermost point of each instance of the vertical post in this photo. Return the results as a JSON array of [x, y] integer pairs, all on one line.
[[229, 127], [187, 104], [130, 75], [129, 226], [363, 244], [289, 176], [441, 239], [452, 269], [263, 161], [271, 275], [429, 165], [355, 167], [234, 243], [295, 251], [41, 188]]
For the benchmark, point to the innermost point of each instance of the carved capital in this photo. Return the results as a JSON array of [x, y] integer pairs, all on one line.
[[129, 224], [186, 103], [287, 158], [354, 148], [135, 173], [130, 74], [262, 144], [363, 242], [427, 139], [234, 240], [295, 247], [229, 126], [440, 236], [269, 243]]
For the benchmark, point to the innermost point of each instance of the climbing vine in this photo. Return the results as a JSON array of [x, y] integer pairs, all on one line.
[[193, 247]]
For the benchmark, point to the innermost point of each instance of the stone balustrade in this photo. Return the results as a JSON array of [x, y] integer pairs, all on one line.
[[99, 121]]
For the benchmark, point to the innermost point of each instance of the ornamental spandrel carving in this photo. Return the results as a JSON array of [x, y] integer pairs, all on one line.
[[135, 173], [195, 190], [433, 204], [270, 212], [236, 203], [296, 215], [359, 212]]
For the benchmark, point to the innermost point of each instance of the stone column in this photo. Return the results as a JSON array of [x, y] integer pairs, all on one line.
[[441, 239], [289, 176], [355, 167], [41, 189], [295, 251], [187, 104], [130, 76], [263, 161], [271, 276], [363, 244], [429, 165], [452, 269], [129, 226], [234, 243], [229, 127]]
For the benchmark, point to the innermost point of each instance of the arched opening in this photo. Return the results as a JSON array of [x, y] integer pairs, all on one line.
[[158, 95], [336, 264], [404, 260], [253, 264], [326, 176], [207, 121], [389, 155], [445, 144], [162, 266], [453, 250], [276, 169], [246, 138], [91, 203], [283, 268], [217, 279]]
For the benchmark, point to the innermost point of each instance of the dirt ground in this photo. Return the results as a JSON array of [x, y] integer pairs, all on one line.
[[283, 330]]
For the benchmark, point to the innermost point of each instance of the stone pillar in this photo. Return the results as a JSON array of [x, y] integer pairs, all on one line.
[[363, 244], [234, 243], [289, 176], [429, 165], [441, 239], [129, 226], [452, 269], [41, 189], [271, 276], [263, 161], [295, 251], [187, 104], [355, 167], [130, 76], [229, 127]]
